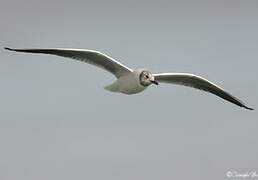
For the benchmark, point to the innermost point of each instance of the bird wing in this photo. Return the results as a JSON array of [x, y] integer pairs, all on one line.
[[194, 81], [92, 57]]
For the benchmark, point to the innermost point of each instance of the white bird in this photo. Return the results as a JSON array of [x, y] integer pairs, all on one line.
[[135, 81]]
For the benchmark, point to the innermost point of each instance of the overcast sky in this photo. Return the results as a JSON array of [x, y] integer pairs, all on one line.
[[57, 121]]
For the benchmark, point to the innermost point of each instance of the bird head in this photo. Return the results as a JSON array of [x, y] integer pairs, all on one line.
[[146, 78]]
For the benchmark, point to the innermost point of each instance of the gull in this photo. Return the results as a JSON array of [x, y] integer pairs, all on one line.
[[131, 81]]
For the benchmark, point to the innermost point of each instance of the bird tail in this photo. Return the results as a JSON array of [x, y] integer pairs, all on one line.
[[112, 87]]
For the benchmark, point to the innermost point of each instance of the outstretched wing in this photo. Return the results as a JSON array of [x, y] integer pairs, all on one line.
[[92, 57], [194, 81]]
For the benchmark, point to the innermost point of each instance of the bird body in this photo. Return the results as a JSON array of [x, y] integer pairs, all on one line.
[[127, 84], [135, 81]]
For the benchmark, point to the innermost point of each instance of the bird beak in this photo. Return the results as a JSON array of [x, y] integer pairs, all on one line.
[[154, 82]]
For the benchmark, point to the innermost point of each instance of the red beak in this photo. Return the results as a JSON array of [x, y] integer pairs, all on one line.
[[155, 82]]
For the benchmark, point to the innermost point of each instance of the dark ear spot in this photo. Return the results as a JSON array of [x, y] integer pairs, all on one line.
[[142, 78]]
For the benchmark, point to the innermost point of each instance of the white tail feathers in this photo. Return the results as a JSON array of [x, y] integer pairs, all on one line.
[[112, 87]]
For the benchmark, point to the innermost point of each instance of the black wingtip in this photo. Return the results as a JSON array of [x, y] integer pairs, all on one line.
[[248, 108], [8, 49]]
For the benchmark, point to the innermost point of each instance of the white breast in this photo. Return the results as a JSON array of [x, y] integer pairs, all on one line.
[[128, 84]]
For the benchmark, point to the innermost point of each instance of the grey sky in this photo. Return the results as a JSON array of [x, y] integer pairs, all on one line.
[[57, 121]]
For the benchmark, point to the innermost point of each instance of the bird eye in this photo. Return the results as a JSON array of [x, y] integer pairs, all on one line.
[[147, 76]]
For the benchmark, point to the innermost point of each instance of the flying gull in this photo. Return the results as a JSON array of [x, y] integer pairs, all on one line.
[[131, 81]]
